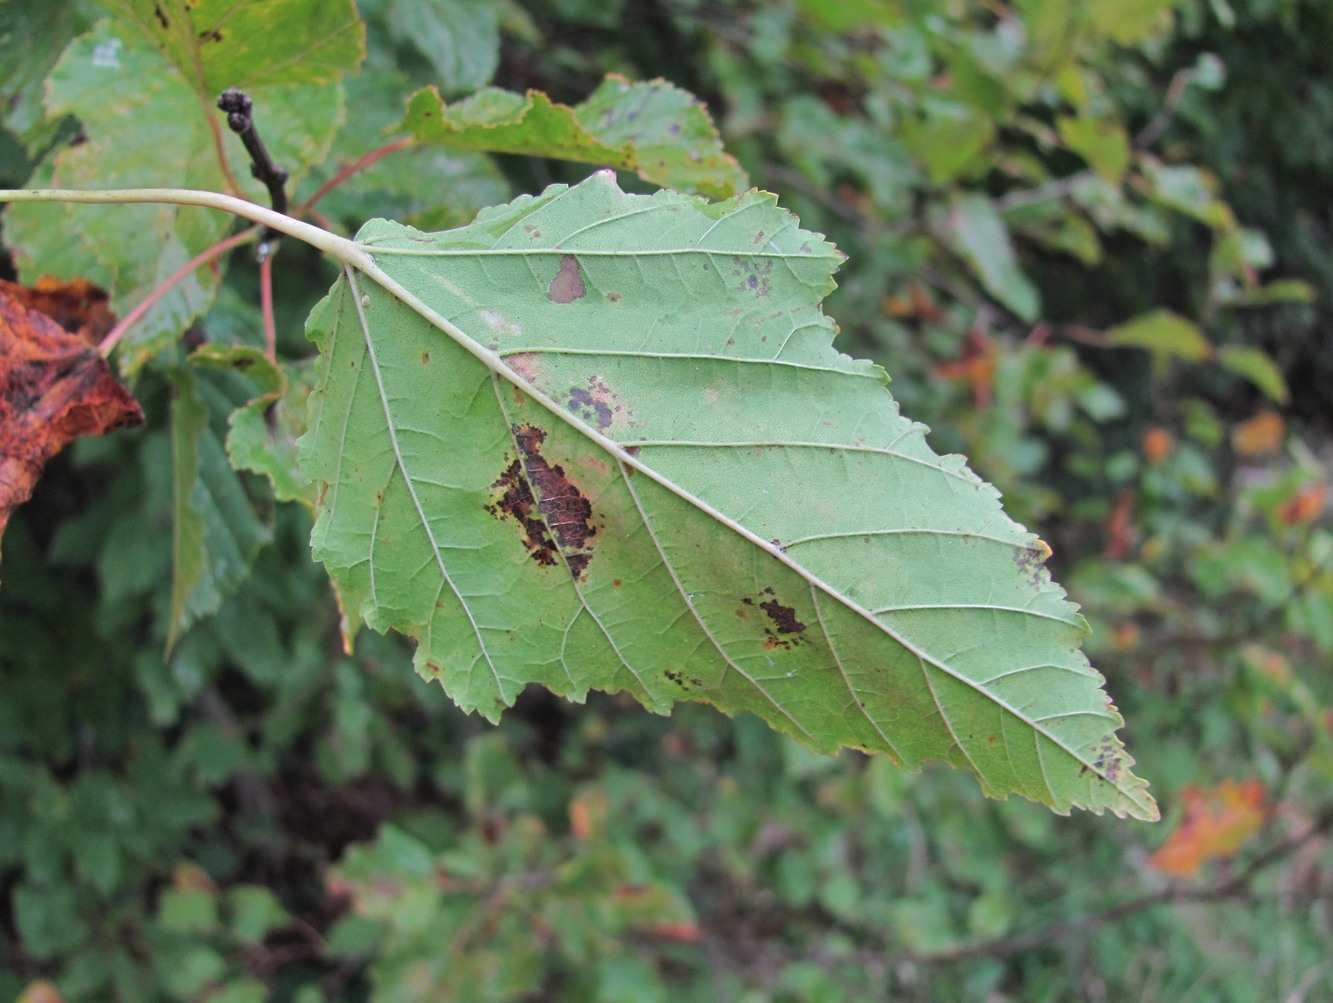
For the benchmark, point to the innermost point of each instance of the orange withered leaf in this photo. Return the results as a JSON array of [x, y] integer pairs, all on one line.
[[1157, 444], [1218, 820], [79, 306], [54, 387], [1305, 505], [1260, 435]]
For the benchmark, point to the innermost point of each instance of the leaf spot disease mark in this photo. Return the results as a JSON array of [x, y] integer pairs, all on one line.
[[753, 276], [683, 681], [594, 403], [1031, 562], [567, 286], [785, 631], [554, 515]]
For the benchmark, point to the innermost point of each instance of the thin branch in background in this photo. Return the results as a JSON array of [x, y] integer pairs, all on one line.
[[1047, 192], [180, 274], [1175, 92]]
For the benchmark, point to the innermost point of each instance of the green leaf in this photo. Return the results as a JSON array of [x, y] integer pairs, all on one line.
[[216, 532], [597, 440], [980, 236], [459, 38], [263, 432], [1256, 366], [1164, 333], [24, 66], [216, 44], [1102, 144], [659, 131]]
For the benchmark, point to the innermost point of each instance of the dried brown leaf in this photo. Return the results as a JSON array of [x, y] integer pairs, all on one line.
[[54, 387]]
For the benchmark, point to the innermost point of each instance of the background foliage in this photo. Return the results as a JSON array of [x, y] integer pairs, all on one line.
[[1087, 241]]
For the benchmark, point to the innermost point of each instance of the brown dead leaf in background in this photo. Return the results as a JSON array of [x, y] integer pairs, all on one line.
[[1260, 435], [54, 387], [78, 306]]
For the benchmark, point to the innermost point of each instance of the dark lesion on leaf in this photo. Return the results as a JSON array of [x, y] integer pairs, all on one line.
[[683, 681], [1031, 563], [596, 403], [555, 517], [783, 632]]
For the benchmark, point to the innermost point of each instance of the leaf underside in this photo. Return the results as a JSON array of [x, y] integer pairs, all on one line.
[[603, 441]]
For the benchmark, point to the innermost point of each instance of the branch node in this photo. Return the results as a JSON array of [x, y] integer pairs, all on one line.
[[240, 119]]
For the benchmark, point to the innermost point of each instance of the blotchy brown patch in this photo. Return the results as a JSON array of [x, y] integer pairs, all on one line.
[[783, 617], [567, 286], [553, 514], [785, 631]]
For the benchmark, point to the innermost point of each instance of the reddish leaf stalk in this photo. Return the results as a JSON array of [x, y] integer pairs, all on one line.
[[134, 316], [266, 307], [360, 164]]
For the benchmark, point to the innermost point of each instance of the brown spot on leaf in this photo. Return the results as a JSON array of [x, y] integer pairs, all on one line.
[[613, 297], [567, 286], [784, 630], [783, 617], [553, 514], [425, 358], [212, 35]]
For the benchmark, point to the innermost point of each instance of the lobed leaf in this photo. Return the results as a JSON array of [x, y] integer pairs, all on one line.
[[599, 440]]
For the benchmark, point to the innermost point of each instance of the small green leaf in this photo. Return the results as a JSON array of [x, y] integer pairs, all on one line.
[[1189, 190], [263, 432], [216, 532], [1256, 366], [631, 460], [1101, 143], [980, 236], [654, 129], [1164, 333]]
